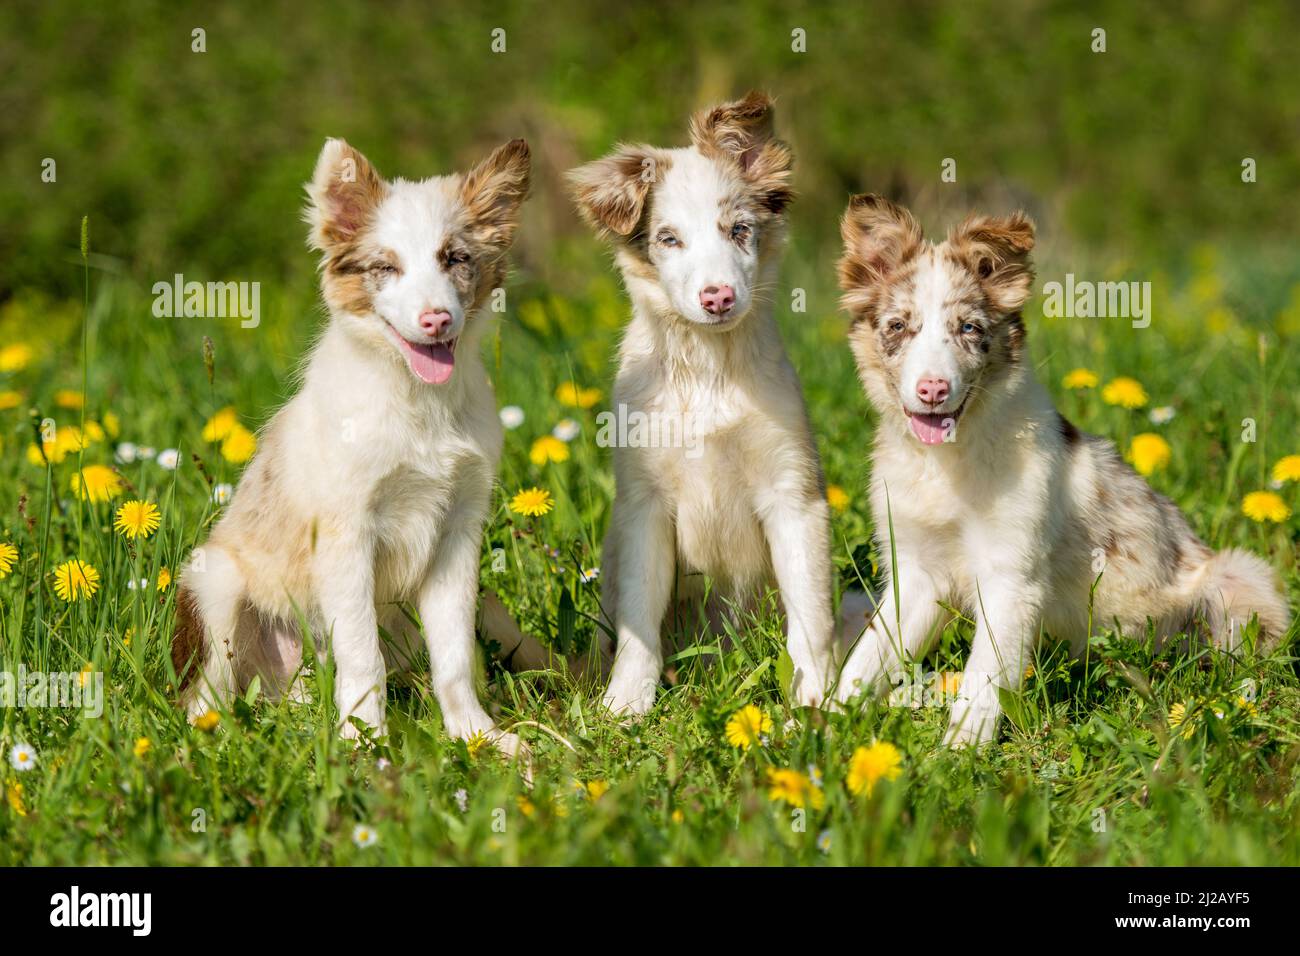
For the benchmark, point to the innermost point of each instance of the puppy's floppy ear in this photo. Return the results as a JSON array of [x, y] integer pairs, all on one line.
[[996, 249], [344, 192], [611, 192], [743, 132], [879, 236], [492, 193]]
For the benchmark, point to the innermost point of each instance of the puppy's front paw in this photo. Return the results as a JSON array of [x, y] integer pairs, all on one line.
[[974, 720], [631, 697]]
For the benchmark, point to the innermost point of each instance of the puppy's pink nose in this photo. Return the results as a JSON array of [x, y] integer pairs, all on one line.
[[932, 391], [718, 299], [435, 321]]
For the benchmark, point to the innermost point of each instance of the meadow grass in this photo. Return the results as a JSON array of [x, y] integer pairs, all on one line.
[[1126, 757]]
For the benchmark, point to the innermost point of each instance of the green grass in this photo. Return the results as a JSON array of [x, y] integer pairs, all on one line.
[[1088, 770]]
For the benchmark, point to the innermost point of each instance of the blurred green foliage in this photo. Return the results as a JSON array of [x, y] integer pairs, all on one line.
[[193, 161]]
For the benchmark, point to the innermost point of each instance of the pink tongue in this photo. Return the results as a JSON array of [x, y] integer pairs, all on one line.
[[432, 363], [930, 428]]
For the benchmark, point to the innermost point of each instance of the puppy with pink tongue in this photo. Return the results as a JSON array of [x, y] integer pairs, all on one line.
[[371, 486]]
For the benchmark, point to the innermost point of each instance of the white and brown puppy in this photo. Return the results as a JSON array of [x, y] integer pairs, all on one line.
[[372, 485], [724, 479], [1000, 506]]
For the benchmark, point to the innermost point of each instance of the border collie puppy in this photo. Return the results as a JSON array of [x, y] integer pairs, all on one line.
[[723, 479], [372, 485], [999, 506]]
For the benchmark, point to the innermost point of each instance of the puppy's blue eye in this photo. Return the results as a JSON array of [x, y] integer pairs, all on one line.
[[740, 231], [969, 328], [667, 239]]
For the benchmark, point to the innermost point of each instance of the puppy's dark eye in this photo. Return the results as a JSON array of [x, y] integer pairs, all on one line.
[[384, 268], [457, 257], [897, 325], [666, 238], [741, 231]]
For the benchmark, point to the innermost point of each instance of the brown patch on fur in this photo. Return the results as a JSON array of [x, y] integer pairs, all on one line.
[[188, 646], [344, 193], [742, 132], [996, 251], [880, 240], [611, 192], [492, 193]]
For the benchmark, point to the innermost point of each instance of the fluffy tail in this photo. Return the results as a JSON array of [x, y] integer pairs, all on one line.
[[1236, 585], [520, 651]]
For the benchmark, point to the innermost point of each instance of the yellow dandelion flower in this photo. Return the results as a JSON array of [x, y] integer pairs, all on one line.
[[75, 579], [678, 816], [8, 556], [948, 683], [164, 579], [596, 789], [548, 448], [14, 794], [1148, 453], [870, 765], [142, 746], [746, 726], [221, 424], [794, 788], [98, 482], [533, 503], [837, 497], [526, 806], [238, 445], [94, 432], [66, 440], [207, 721], [1125, 392], [112, 424], [1287, 469], [477, 744], [68, 398], [87, 670], [571, 394], [1178, 718], [1080, 378], [15, 357], [10, 399], [137, 519], [1265, 506], [1247, 706]]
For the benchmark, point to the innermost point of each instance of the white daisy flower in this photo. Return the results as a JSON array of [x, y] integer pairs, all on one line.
[[23, 757], [1163, 415], [126, 453], [222, 492], [364, 835], [824, 841], [134, 584], [566, 429], [512, 416], [169, 458], [144, 451], [462, 799], [589, 574]]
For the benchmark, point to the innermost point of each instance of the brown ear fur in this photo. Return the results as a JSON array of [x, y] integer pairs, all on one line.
[[879, 237], [996, 249], [492, 193], [344, 192], [743, 131], [611, 192]]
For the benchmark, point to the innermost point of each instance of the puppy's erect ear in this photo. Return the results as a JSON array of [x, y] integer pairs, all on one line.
[[996, 249], [743, 132], [493, 191], [611, 192], [344, 192], [879, 236]]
